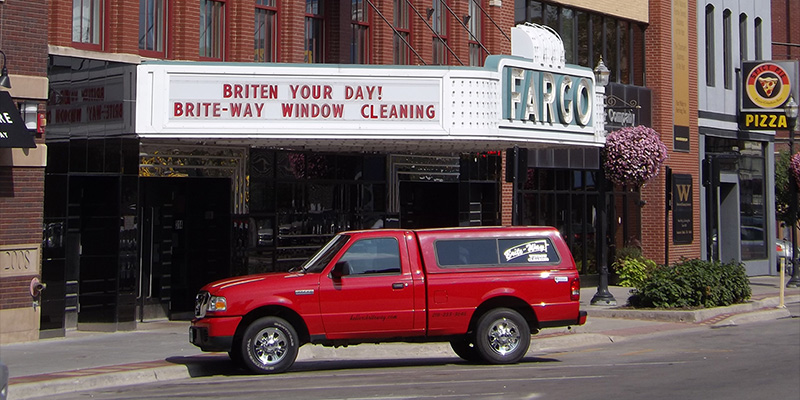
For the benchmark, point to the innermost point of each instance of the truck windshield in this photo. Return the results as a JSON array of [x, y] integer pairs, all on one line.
[[324, 256]]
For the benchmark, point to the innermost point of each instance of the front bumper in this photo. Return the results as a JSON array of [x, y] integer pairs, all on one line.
[[213, 334]]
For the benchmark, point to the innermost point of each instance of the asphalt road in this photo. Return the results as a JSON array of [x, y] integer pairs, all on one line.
[[759, 360]]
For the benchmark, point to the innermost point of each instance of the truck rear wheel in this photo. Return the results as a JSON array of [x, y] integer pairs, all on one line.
[[465, 349], [502, 336], [269, 345]]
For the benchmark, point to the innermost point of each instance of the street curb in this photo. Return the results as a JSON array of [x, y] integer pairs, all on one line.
[[48, 388], [568, 341], [756, 316], [693, 316]]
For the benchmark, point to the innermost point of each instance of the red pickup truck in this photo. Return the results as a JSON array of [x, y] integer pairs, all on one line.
[[483, 289]]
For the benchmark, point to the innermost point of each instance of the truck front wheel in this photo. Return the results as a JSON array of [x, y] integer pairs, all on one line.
[[269, 345], [502, 336]]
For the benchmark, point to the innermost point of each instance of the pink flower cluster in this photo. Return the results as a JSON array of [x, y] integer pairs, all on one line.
[[633, 155], [794, 166]]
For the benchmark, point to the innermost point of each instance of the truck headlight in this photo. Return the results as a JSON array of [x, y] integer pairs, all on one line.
[[217, 303]]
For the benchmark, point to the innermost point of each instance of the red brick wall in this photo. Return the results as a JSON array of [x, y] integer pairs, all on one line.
[[21, 196], [291, 22], [15, 292], [23, 38], [785, 29], [503, 16], [659, 79], [123, 28]]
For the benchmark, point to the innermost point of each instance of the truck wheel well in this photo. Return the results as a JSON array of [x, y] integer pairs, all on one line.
[[513, 303], [273, 311]]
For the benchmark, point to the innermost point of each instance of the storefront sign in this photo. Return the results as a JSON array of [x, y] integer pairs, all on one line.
[[627, 106], [682, 209], [509, 99], [551, 104], [300, 98], [547, 98], [13, 132], [767, 86]]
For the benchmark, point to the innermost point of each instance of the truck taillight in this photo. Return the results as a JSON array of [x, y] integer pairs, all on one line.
[[575, 289]]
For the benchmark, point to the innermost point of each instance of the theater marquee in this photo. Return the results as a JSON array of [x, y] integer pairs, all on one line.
[[766, 87]]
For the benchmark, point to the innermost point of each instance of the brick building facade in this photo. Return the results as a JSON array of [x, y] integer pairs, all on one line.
[[24, 46]]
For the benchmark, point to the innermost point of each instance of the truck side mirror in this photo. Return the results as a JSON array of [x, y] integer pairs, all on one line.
[[339, 270]]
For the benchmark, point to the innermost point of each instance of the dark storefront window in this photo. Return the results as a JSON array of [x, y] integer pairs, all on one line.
[[567, 200], [299, 200], [747, 160]]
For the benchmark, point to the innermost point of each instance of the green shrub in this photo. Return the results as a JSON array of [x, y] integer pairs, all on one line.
[[693, 283], [633, 271]]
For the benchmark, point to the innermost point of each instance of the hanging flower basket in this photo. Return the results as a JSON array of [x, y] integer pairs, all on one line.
[[794, 166], [633, 155]]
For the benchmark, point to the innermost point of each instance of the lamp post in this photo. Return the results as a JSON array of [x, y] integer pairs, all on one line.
[[5, 81], [791, 110], [603, 297]]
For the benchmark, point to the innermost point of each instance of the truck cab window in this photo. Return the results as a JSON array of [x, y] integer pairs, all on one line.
[[324, 256], [372, 256]]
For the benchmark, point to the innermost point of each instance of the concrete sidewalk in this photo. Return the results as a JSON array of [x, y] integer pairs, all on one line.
[[160, 351]]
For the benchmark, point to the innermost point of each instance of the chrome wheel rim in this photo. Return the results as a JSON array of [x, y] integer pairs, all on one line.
[[270, 346], [503, 336]]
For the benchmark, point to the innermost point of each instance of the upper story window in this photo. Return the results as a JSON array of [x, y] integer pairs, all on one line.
[[152, 27], [709, 38], [727, 50], [476, 52], [758, 39], [587, 36], [87, 22], [743, 37], [402, 40], [266, 31], [359, 21], [439, 24], [212, 29], [313, 32]]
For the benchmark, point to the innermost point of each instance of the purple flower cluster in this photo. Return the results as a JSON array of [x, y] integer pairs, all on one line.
[[794, 165], [633, 155]]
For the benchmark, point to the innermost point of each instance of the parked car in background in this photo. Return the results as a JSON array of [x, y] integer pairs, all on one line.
[[783, 248]]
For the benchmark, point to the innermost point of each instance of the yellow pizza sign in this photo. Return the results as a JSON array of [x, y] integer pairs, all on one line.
[[766, 87]]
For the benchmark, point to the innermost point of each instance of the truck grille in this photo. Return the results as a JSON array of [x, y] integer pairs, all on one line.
[[201, 304]]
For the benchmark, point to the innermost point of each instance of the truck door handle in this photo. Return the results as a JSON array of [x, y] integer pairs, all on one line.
[[398, 285]]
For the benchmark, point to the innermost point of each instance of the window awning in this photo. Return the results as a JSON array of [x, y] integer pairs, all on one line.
[[13, 132]]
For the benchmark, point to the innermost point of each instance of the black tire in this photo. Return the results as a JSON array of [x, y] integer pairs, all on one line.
[[236, 357], [465, 349], [269, 345], [502, 336]]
